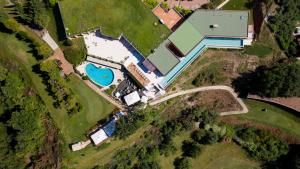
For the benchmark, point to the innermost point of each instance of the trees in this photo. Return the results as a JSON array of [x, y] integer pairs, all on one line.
[[191, 149], [283, 25], [281, 80], [21, 127], [182, 163], [57, 87], [33, 12], [126, 125], [261, 144]]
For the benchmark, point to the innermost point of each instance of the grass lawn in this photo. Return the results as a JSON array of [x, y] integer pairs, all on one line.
[[237, 5], [130, 17], [258, 50], [76, 53], [274, 116], [217, 156], [95, 109], [240, 5]]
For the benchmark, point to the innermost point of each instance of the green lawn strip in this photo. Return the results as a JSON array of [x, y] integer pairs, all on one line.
[[274, 116], [240, 5], [217, 156], [130, 17], [76, 53], [259, 50], [95, 108], [237, 5], [217, 2]]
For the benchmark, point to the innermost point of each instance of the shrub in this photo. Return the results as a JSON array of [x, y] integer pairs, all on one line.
[[167, 147], [182, 163], [210, 75], [210, 138], [151, 3], [183, 11], [191, 149], [85, 78], [198, 135], [260, 144]]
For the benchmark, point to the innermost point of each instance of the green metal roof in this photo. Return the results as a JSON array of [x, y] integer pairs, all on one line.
[[229, 23], [199, 24], [185, 37], [163, 59]]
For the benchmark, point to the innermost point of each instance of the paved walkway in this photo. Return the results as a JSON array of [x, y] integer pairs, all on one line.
[[48, 39], [201, 89], [222, 4]]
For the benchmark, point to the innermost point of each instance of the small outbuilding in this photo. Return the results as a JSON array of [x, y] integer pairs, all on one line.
[[132, 98], [99, 136]]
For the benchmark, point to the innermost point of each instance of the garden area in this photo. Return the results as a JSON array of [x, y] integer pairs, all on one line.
[[130, 17]]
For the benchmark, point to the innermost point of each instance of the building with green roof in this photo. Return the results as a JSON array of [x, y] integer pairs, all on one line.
[[200, 25]]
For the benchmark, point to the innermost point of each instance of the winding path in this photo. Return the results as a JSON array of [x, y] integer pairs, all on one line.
[[201, 89]]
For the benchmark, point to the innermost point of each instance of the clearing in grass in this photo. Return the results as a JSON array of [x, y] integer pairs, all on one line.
[[130, 17]]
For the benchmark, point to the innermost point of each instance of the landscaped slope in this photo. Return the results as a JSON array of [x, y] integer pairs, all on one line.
[[130, 17]]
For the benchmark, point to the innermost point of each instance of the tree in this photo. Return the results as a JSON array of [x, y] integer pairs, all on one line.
[[3, 73], [210, 138], [281, 80], [191, 149], [198, 135], [182, 163]]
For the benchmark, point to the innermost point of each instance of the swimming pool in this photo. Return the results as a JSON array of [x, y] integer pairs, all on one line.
[[101, 76]]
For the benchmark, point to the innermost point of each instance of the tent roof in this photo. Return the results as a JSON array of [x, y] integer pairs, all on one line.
[[99, 136]]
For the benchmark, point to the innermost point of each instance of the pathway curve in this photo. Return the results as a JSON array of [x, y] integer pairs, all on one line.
[[201, 89], [222, 4]]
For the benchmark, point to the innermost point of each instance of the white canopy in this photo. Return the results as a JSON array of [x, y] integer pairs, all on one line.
[[99, 137], [132, 98]]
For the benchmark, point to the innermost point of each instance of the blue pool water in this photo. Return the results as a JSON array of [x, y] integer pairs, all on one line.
[[205, 43], [101, 76]]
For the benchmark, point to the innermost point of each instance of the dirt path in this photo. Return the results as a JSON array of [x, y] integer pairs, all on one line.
[[200, 89]]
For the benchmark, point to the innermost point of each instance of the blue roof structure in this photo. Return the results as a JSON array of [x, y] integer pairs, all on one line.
[[110, 127]]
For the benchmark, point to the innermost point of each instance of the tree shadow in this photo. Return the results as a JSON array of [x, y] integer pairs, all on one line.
[[248, 83]]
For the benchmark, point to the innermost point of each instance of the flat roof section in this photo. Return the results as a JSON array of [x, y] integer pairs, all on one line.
[[163, 58], [186, 37], [220, 23], [169, 18]]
